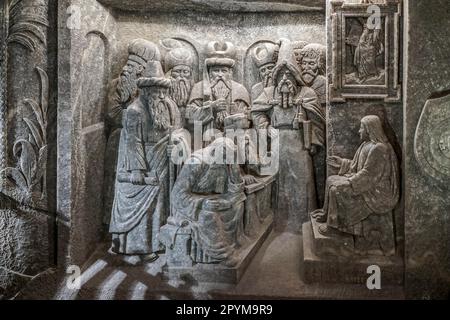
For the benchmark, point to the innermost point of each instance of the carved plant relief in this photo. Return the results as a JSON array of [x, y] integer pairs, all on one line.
[[28, 178]]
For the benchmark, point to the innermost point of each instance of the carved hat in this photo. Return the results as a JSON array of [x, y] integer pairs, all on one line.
[[265, 53], [286, 61], [178, 56], [220, 54], [143, 51], [153, 76]]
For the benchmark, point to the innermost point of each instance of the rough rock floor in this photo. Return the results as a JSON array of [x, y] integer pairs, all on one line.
[[274, 273]]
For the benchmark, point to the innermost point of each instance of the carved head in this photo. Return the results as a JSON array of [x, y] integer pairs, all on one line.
[[179, 62], [154, 87], [140, 52], [265, 57], [297, 47], [286, 81], [372, 130], [311, 62]]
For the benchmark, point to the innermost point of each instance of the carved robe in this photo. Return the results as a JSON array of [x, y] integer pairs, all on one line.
[[296, 185], [215, 234], [239, 103], [360, 200], [366, 55], [140, 210], [114, 121]]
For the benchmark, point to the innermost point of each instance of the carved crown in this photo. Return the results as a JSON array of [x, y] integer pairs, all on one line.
[[178, 56], [220, 53], [265, 53]]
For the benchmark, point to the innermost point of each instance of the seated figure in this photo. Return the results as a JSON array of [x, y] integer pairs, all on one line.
[[360, 199], [208, 197]]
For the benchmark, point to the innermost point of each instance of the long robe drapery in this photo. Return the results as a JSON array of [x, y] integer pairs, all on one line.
[[360, 200], [140, 210], [296, 193], [215, 234]]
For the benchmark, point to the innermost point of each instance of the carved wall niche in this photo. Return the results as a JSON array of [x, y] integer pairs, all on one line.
[[365, 52]]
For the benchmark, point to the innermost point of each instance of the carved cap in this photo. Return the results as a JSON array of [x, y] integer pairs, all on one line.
[[153, 76], [178, 56], [265, 53], [143, 51], [220, 53], [298, 45]]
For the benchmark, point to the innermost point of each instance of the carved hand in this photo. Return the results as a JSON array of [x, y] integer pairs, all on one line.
[[137, 177], [216, 204], [219, 105], [249, 179], [334, 161]]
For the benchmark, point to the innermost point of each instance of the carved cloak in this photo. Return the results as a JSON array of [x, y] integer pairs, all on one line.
[[140, 210]]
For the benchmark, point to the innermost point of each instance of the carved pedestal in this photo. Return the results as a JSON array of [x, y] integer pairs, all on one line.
[[330, 260], [258, 219]]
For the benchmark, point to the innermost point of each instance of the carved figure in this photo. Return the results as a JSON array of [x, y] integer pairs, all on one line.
[[208, 196], [311, 62], [265, 56], [288, 105], [360, 199], [123, 91], [367, 50], [142, 183], [179, 63], [218, 95]]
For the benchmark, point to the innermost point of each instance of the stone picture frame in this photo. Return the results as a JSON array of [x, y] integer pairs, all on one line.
[[381, 66]]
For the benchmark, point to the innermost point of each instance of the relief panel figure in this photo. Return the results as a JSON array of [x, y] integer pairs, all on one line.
[[179, 65], [311, 62], [218, 95], [208, 196], [264, 56], [288, 104], [142, 185], [367, 48], [359, 200], [123, 91]]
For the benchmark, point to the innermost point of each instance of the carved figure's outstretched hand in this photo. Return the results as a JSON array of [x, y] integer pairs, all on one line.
[[334, 161]]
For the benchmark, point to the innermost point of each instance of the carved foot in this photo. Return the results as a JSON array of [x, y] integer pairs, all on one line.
[[327, 231]]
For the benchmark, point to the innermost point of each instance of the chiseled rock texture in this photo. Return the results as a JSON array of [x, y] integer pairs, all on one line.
[[427, 203]]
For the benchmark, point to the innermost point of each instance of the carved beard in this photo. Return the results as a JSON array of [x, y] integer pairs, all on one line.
[[308, 76], [180, 89], [267, 80], [127, 86], [286, 92], [159, 111], [220, 88]]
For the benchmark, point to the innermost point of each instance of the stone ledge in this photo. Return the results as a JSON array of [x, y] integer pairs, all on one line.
[[218, 272], [335, 269]]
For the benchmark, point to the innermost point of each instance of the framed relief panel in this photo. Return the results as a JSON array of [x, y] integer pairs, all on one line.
[[365, 51]]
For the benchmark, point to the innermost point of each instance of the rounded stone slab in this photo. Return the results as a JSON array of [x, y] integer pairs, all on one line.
[[432, 139]]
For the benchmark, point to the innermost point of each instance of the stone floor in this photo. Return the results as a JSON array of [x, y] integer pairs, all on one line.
[[274, 273]]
